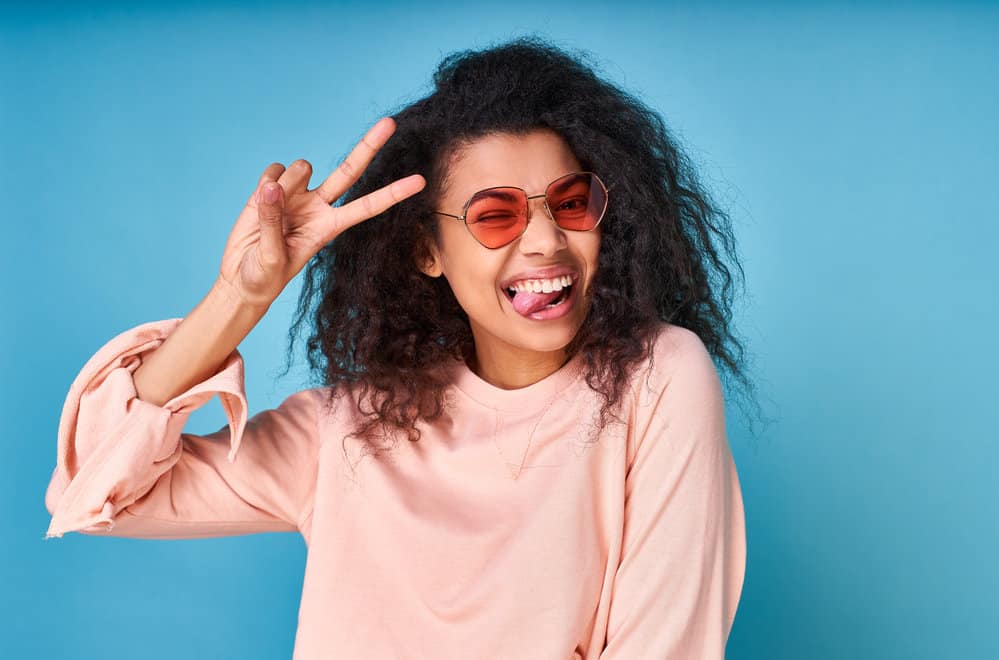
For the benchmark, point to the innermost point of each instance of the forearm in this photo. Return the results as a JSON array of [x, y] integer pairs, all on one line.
[[198, 346]]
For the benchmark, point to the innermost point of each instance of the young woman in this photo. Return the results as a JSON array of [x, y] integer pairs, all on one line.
[[518, 449]]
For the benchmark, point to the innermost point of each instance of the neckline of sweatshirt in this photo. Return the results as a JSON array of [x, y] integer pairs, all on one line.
[[524, 400]]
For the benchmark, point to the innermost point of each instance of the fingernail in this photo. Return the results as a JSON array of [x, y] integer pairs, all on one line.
[[270, 193]]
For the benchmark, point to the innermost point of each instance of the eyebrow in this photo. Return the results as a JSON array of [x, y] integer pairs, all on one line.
[[567, 184], [496, 194]]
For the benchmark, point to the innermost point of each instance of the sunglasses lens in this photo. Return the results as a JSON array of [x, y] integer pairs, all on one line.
[[497, 216], [577, 201]]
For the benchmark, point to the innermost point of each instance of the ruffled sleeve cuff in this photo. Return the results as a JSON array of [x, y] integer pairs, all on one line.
[[113, 446]]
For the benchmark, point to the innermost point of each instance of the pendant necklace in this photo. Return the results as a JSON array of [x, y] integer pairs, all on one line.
[[515, 469]]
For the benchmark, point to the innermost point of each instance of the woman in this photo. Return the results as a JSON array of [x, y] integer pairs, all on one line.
[[518, 449]]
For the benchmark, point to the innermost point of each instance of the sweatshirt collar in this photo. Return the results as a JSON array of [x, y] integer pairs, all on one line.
[[534, 397], [515, 406]]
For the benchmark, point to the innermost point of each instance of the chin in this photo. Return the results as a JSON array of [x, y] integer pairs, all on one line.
[[546, 340]]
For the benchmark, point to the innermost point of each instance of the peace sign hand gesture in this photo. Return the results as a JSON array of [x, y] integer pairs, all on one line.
[[283, 224]]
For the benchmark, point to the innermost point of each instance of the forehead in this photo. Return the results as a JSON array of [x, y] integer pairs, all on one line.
[[530, 161]]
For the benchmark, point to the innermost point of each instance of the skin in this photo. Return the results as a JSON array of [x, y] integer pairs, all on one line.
[[512, 351], [281, 227]]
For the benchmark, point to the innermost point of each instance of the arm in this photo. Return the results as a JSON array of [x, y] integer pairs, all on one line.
[[124, 467], [123, 463], [196, 348], [682, 566]]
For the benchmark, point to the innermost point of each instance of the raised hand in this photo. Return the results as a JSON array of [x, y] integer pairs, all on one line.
[[283, 224]]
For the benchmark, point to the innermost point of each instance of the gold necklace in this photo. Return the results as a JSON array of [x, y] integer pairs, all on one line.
[[515, 470]]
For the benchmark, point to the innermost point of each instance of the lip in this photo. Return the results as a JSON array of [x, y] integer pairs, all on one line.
[[546, 314], [541, 274]]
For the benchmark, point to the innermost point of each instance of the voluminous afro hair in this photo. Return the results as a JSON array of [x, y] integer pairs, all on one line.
[[383, 326]]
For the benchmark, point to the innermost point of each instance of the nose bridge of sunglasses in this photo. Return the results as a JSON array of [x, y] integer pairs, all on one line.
[[543, 205]]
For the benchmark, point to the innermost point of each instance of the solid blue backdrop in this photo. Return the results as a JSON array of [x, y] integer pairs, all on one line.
[[855, 148]]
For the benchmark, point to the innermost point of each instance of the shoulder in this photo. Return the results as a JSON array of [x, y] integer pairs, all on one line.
[[307, 401], [304, 409], [334, 410], [678, 405], [678, 359]]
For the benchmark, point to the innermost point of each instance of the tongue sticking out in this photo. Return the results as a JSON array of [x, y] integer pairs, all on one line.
[[527, 303]]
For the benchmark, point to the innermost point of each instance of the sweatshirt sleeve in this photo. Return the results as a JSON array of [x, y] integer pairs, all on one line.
[[683, 558], [125, 468]]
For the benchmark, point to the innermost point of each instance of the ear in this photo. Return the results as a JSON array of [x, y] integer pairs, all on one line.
[[428, 258]]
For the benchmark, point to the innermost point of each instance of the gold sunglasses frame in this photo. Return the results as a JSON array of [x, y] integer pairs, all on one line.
[[464, 211]]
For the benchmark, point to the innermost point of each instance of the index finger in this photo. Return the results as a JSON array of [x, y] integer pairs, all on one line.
[[371, 205], [349, 171]]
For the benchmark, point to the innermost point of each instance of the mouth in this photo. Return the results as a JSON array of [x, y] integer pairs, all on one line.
[[542, 305], [563, 294]]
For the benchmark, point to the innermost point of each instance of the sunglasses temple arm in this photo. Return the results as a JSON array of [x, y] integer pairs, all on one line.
[[450, 215]]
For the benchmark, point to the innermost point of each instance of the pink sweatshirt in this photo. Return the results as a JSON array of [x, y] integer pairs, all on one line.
[[510, 530]]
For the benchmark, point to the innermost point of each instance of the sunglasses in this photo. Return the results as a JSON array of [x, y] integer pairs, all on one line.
[[498, 216]]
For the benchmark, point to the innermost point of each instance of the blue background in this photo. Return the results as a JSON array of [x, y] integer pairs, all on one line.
[[855, 146]]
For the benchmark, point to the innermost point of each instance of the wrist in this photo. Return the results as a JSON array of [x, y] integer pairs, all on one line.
[[225, 296]]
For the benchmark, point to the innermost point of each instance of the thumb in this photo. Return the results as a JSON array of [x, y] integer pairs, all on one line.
[[270, 210]]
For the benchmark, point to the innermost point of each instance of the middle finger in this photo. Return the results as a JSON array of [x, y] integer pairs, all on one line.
[[349, 171], [295, 179]]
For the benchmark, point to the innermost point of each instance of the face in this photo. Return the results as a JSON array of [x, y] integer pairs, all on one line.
[[481, 278]]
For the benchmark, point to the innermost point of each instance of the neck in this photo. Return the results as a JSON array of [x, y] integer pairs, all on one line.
[[510, 369]]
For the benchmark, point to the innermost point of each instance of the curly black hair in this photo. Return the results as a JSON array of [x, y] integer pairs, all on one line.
[[387, 328]]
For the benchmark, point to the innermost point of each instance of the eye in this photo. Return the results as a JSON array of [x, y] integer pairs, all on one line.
[[496, 217], [574, 204]]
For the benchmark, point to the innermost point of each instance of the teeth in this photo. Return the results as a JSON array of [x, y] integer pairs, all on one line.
[[539, 286]]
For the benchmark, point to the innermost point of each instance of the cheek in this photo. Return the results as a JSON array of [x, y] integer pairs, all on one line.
[[470, 269], [587, 249], [472, 280], [594, 250]]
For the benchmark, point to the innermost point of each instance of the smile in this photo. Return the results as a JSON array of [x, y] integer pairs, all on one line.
[[546, 285], [544, 299]]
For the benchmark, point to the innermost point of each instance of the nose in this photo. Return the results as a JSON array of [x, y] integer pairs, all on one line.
[[542, 235]]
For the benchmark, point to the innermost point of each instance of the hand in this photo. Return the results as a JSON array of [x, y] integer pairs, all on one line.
[[283, 224]]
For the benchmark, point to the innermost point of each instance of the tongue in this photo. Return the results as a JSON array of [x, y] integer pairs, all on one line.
[[528, 303]]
